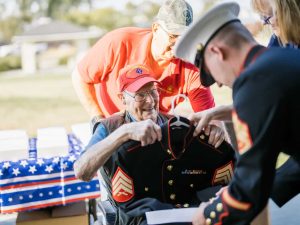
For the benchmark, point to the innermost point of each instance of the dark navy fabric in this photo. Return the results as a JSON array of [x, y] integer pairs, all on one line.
[[266, 98], [195, 165]]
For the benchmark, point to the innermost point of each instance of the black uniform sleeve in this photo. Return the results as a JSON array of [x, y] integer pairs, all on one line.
[[258, 123], [286, 183]]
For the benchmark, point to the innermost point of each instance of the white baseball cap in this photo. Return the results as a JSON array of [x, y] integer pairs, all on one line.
[[175, 16], [198, 35]]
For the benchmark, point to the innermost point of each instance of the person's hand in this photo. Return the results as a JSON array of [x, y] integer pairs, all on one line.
[[199, 218], [216, 135], [147, 132], [201, 120], [221, 190]]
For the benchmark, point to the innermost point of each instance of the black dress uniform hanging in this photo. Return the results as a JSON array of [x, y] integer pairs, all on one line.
[[168, 173]]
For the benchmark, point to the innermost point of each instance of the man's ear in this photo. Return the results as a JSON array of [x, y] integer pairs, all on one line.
[[219, 51], [154, 27], [121, 96]]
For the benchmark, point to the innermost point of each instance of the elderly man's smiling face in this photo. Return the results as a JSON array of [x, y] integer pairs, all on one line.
[[143, 104], [162, 43]]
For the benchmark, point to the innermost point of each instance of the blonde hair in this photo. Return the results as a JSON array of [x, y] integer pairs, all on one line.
[[258, 6], [261, 6], [288, 19]]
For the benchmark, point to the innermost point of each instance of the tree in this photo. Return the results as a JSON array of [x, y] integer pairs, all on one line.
[[208, 4], [57, 9], [104, 18], [9, 27]]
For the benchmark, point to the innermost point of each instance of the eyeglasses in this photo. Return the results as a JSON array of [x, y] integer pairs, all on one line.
[[266, 19], [142, 96], [171, 36]]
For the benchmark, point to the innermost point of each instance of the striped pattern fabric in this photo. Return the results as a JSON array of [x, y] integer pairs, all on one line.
[[37, 182]]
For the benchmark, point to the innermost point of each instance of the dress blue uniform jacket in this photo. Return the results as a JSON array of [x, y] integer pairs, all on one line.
[[166, 174], [266, 111]]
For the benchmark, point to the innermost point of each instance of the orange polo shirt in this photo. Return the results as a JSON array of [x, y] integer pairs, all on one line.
[[131, 45]]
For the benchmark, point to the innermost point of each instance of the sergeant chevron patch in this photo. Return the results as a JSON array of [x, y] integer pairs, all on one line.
[[223, 175], [122, 186], [242, 132]]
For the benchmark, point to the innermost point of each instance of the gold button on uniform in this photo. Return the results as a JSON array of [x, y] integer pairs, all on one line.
[[208, 221], [169, 167], [171, 182], [202, 136], [186, 205], [219, 207], [191, 185], [212, 214], [146, 189], [169, 152], [172, 196]]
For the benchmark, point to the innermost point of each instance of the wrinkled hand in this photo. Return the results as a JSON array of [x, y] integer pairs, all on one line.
[[216, 135], [201, 120], [199, 218], [147, 132]]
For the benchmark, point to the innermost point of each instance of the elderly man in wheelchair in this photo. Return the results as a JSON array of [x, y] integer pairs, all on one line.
[[151, 161]]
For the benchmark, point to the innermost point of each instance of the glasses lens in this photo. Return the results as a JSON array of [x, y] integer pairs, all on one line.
[[266, 20], [139, 97], [171, 36]]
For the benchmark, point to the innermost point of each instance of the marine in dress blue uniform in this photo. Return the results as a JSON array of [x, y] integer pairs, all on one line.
[[265, 116]]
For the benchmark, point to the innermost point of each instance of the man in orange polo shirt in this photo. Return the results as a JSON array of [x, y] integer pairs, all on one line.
[[95, 77]]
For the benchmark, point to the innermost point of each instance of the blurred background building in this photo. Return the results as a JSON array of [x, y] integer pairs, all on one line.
[[40, 34]]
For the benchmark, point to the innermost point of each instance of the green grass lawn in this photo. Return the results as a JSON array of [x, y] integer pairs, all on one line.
[[32, 102], [39, 101]]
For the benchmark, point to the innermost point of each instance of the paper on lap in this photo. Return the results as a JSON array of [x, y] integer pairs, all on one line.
[[170, 216]]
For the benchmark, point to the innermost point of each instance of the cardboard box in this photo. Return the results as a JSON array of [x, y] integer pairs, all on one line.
[[73, 209], [75, 213]]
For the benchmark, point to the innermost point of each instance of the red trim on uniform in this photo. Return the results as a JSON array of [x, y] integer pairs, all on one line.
[[253, 59], [185, 142], [234, 203], [210, 146], [223, 215], [169, 143], [133, 148]]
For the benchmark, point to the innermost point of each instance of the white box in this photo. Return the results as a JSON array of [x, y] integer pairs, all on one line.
[[13, 145], [12, 134], [83, 132], [52, 142]]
